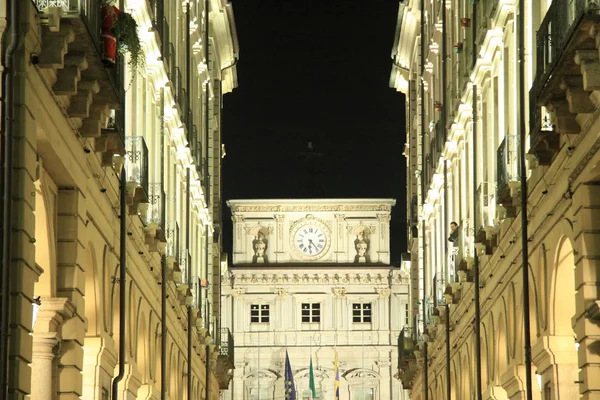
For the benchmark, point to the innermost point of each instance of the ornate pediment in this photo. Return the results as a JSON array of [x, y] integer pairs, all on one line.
[[360, 374]]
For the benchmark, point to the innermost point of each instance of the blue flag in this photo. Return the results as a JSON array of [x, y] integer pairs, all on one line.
[[290, 388]]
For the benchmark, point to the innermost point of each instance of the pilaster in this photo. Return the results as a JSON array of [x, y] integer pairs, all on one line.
[[71, 236], [586, 205], [23, 270]]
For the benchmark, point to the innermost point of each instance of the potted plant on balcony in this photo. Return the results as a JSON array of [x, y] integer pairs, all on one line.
[[457, 47], [465, 22], [438, 106], [120, 33]]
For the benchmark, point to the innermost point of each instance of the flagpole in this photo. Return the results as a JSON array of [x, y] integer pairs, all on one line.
[[362, 354], [258, 361]]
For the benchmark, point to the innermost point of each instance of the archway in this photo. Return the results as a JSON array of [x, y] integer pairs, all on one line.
[[562, 300], [501, 350]]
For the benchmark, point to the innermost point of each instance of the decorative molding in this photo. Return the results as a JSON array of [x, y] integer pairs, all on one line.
[[254, 229], [339, 292], [237, 292], [309, 208], [384, 293], [355, 229], [361, 375], [316, 279], [282, 293]]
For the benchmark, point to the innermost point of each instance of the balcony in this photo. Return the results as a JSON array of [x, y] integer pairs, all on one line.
[[70, 61], [566, 74], [485, 13], [172, 236], [155, 217], [484, 221], [507, 178], [136, 172], [225, 365], [407, 362], [463, 250], [196, 146]]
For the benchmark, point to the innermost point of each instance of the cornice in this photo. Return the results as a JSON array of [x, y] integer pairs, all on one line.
[[245, 208]]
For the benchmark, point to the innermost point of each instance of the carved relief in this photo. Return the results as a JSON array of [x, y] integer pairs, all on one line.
[[237, 292], [340, 218], [324, 279], [362, 243], [384, 293], [260, 244], [339, 292], [280, 218]]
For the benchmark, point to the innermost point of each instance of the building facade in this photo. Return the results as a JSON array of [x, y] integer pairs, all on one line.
[[111, 190], [524, 229], [313, 278]]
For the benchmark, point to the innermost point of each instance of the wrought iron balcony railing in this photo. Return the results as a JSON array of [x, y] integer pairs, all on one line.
[[507, 167], [86, 19], [172, 236], [485, 199], [136, 162], [555, 32], [406, 345], [157, 12], [226, 344], [116, 123]]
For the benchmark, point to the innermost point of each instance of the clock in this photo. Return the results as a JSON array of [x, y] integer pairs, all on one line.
[[310, 239]]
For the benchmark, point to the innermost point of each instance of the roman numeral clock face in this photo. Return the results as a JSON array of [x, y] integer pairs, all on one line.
[[310, 241]]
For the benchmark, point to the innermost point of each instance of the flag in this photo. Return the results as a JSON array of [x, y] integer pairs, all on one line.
[[311, 381], [336, 384], [290, 388]]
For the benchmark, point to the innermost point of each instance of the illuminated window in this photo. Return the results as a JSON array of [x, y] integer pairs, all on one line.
[[361, 312], [259, 313], [311, 312]]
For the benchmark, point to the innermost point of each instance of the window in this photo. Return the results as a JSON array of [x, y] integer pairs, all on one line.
[[361, 312], [266, 393], [363, 394], [311, 312], [259, 313], [306, 394], [406, 321]]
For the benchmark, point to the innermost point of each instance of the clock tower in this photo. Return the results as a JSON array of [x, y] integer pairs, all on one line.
[[324, 231], [311, 279]]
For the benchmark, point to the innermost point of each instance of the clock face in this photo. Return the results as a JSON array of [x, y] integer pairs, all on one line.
[[310, 241]]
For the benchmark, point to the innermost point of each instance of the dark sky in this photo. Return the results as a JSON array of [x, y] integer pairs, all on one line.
[[315, 70]]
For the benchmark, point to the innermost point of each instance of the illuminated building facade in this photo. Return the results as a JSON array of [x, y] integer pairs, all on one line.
[[312, 278], [111, 252], [473, 101]]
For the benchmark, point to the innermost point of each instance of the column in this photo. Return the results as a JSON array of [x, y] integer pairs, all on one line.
[[556, 362], [279, 250], [339, 242], [42, 366], [384, 230], [46, 335], [238, 239], [586, 203]]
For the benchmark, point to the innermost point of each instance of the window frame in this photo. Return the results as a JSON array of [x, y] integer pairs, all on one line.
[[312, 318], [263, 315], [363, 316]]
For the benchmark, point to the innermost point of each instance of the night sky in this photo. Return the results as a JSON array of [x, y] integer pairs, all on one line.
[[315, 71]]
